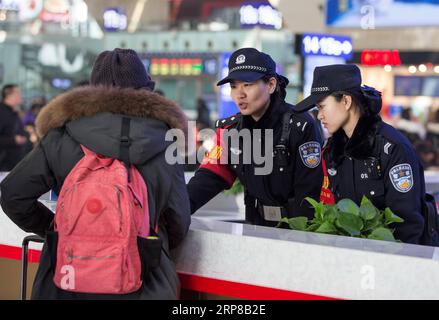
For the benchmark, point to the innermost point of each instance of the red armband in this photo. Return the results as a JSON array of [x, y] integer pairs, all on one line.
[[326, 195], [216, 160]]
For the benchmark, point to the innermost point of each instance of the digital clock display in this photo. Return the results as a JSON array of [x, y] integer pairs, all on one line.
[[176, 67], [181, 65]]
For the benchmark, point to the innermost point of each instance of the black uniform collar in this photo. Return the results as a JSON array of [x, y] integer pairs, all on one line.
[[360, 145], [270, 119]]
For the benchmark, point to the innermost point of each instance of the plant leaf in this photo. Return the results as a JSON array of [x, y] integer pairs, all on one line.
[[367, 210], [281, 221], [391, 217], [370, 225], [326, 227], [350, 223], [331, 214], [314, 203], [347, 205], [235, 189], [313, 227], [382, 234], [298, 223], [318, 208]]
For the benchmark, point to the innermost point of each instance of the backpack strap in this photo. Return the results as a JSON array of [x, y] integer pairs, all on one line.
[[280, 151], [86, 150], [125, 142]]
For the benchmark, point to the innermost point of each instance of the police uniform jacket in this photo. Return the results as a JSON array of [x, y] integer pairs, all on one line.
[[285, 186], [380, 163]]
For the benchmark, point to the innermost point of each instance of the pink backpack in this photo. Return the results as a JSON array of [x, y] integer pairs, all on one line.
[[99, 215]]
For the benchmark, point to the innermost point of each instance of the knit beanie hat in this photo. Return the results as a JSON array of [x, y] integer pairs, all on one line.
[[120, 68]]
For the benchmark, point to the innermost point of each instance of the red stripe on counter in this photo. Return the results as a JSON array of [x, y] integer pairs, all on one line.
[[200, 283], [11, 252], [242, 290]]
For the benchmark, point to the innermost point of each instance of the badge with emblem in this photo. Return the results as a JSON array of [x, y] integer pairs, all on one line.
[[401, 176], [310, 153], [215, 153], [240, 59]]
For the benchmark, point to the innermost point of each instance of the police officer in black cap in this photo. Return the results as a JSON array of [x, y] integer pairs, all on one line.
[[292, 170], [365, 156]]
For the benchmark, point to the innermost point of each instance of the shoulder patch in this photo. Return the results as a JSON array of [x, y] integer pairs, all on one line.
[[310, 153], [304, 125], [300, 122], [401, 176], [388, 148], [222, 123]]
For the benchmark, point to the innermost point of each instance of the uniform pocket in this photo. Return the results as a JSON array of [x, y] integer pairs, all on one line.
[[374, 190]]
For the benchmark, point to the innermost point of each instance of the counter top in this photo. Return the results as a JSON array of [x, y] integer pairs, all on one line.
[[247, 261], [308, 263]]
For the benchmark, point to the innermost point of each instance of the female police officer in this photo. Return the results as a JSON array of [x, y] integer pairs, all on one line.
[[259, 92], [366, 156]]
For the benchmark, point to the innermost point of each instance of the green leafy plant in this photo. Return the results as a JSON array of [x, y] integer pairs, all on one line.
[[236, 188], [348, 219]]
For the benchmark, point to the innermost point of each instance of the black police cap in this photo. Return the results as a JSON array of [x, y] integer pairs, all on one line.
[[249, 64], [329, 79]]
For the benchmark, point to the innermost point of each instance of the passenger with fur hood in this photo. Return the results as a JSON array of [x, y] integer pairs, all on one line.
[[365, 156], [91, 116]]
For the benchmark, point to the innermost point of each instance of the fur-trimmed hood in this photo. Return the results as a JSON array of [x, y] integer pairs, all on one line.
[[89, 100], [360, 146], [92, 116]]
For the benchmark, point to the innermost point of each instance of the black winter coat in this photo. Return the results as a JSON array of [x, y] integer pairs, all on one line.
[[91, 116]]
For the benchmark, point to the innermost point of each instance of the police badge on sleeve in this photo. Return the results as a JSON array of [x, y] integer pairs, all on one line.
[[310, 153], [401, 176]]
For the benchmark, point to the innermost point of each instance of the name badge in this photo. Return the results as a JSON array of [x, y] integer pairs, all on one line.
[[272, 213]]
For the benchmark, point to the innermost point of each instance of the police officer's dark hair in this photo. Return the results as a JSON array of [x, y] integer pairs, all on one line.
[[357, 98], [8, 89], [280, 92], [368, 99]]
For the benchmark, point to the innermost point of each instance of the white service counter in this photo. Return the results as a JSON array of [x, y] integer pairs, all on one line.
[[246, 261], [308, 263]]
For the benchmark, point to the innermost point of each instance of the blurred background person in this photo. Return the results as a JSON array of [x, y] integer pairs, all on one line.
[[29, 122], [203, 114], [411, 127], [13, 137], [427, 154]]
